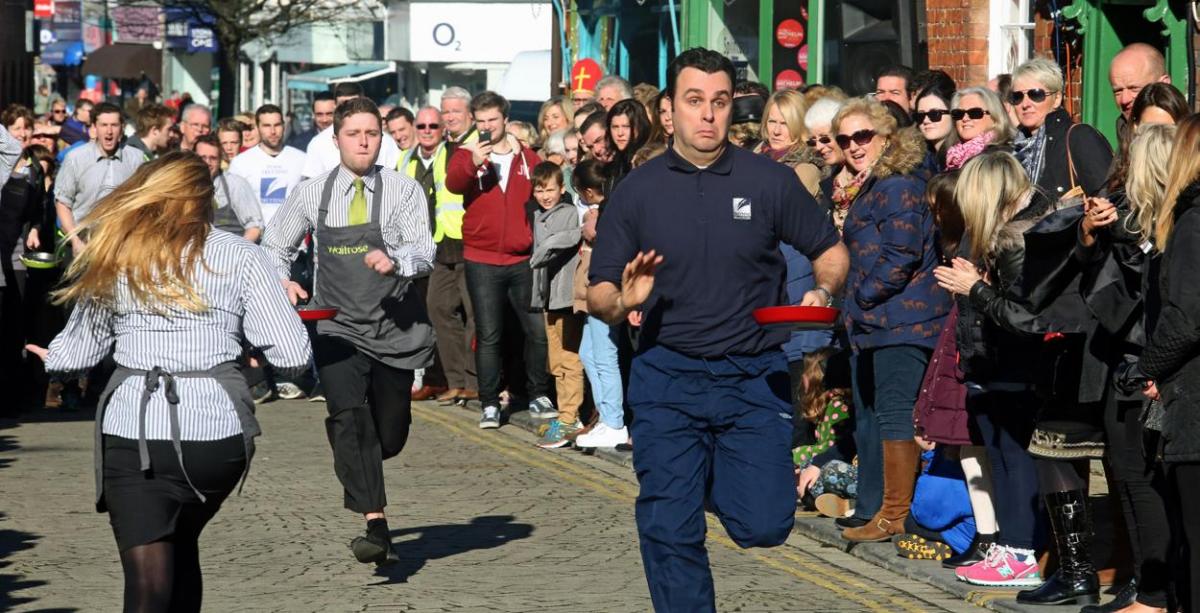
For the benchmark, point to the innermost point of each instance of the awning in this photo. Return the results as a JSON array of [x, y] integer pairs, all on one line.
[[320, 80], [63, 53], [124, 61]]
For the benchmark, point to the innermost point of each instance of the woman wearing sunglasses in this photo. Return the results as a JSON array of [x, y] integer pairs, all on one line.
[[980, 122], [1052, 164], [894, 309], [932, 119]]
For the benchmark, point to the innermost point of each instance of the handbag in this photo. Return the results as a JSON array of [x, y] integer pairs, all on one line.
[[940, 413]]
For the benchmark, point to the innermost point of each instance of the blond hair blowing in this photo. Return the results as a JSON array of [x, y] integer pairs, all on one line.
[[989, 193], [147, 235], [1146, 181], [1182, 170], [793, 106]]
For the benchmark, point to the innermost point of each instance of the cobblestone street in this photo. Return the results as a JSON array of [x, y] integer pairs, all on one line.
[[483, 521]]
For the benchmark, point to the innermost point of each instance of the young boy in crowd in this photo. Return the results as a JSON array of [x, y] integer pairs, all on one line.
[[556, 238]]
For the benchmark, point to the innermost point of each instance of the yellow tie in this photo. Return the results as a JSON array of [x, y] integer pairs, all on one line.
[[358, 205]]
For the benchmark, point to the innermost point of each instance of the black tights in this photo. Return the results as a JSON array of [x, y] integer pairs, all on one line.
[[162, 576], [1062, 475]]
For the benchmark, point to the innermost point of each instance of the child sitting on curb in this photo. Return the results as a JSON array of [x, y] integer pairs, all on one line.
[[825, 477]]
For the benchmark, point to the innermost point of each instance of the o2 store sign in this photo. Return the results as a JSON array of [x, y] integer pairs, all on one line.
[[477, 31]]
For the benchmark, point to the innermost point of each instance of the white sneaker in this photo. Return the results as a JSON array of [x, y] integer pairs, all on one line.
[[490, 418], [603, 436], [289, 391], [418, 379]]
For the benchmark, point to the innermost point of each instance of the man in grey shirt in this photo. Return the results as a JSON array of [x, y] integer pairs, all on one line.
[[237, 209], [93, 170]]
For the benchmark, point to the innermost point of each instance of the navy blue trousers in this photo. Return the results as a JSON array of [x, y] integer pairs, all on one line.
[[716, 431]]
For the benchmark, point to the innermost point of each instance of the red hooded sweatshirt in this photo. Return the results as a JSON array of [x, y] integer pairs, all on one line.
[[495, 228]]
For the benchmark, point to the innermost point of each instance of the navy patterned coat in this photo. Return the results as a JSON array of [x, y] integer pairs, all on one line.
[[892, 297]]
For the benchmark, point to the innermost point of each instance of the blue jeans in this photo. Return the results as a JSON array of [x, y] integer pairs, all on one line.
[[1005, 422], [716, 430], [492, 288], [598, 351], [886, 381]]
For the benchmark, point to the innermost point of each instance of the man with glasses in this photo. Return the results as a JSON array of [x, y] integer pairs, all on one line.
[[58, 112], [447, 300], [195, 122]]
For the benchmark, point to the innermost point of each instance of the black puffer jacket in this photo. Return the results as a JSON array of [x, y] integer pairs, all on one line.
[[1172, 356]]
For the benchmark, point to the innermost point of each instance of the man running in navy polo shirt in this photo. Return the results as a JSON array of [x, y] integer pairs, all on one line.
[[691, 239]]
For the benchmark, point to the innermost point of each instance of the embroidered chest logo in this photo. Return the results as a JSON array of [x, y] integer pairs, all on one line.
[[741, 209]]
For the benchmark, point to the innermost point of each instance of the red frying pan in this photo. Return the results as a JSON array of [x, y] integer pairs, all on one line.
[[316, 314], [796, 317]]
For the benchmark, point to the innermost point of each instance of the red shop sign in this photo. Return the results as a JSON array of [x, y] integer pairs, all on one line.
[[789, 33], [788, 79], [43, 9]]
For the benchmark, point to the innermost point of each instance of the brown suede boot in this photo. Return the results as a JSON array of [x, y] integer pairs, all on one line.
[[901, 460]]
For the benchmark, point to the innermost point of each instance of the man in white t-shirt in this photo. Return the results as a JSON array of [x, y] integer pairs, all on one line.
[[322, 154], [270, 167]]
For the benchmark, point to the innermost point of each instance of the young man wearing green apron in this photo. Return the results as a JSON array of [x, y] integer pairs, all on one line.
[[372, 237]]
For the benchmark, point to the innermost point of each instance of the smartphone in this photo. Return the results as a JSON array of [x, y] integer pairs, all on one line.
[[485, 136]]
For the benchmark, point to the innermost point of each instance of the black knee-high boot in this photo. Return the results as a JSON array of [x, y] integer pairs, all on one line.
[[1076, 581]]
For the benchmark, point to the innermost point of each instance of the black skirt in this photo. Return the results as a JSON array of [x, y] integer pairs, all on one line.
[[144, 507]]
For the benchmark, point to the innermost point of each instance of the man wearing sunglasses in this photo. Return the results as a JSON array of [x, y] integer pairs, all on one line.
[[446, 296], [691, 239]]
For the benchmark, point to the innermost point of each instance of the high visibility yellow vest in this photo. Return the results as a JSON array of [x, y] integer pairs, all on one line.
[[448, 206]]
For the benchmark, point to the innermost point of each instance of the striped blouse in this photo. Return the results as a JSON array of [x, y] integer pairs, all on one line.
[[245, 300]]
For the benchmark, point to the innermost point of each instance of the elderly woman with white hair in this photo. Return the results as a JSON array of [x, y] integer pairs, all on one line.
[[819, 121], [1057, 155]]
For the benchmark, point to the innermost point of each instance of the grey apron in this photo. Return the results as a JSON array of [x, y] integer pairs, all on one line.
[[223, 217], [381, 315], [226, 374]]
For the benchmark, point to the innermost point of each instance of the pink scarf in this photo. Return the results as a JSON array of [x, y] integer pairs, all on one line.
[[957, 155]]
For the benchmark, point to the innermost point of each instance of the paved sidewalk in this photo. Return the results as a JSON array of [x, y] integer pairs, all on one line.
[[484, 521]]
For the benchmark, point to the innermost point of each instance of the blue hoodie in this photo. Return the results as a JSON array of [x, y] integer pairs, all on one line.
[[941, 502]]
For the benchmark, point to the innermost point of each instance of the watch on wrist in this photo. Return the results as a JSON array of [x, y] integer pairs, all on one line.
[[828, 295]]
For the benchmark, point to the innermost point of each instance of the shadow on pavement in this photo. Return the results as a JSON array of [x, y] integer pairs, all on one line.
[[10, 583], [443, 541]]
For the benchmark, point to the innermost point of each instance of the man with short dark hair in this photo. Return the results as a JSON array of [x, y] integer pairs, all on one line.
[[372, 228], [271, 168], [399, 124], [895, 83], [93, 170], [321, 156], [194, 122], [593, 136], [709, 387], [492, 175], [153, 130], [322, 107], [236, 208]]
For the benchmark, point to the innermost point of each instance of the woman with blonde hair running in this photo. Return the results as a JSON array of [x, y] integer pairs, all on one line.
[[175, 301]]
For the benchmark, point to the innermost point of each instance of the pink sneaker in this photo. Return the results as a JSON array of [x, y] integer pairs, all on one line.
[[1002, 568]]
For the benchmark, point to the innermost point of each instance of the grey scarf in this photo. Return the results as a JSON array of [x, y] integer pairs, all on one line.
[[1031, 152]]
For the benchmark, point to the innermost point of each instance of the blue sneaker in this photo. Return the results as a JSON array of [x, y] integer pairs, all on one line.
[[558, 434]]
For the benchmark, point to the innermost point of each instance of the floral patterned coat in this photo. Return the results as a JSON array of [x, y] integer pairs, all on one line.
[[892, 297]]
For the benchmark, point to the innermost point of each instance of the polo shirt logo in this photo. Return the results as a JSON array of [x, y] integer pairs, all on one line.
[[741, 209]]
